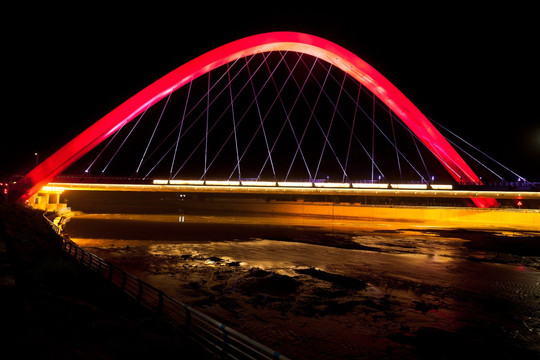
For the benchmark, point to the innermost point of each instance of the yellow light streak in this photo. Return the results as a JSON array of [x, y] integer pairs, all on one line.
[[186, 182], [441, 187], [409, 186], [258, 183], [333, 185], [369, 186], [295, 184], [222, 183], [55, 189]]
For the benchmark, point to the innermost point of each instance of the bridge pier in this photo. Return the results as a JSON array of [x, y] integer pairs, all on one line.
[[48, 199]]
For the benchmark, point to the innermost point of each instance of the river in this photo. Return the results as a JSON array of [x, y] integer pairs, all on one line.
[[320, 288]]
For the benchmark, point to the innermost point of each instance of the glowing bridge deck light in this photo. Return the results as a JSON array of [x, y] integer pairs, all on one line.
[[304, 184], [294, 188], [409, 186], [295, 184], [222, 183], [301, 184], [53, 188], [441, 187], [370, 185], [332, 185], [186, 182], [258, 183]]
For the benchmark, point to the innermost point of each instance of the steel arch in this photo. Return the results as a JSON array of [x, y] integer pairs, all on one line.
[[291, 41]]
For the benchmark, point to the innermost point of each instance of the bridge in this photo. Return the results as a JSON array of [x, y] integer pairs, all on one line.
[[276, 113], [298, 188]]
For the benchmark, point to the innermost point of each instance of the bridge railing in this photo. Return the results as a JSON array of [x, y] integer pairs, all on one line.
[[217, 338]]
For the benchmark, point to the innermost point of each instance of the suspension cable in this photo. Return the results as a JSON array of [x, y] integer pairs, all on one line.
[[231, 133], [327, 135], [188, 113], [345, 122], [395, 143], [87, 171], [122, 144], [351, 136], [261, 126], [413, 136], [373, 138], [180, 130], [475, 159], [214, 124], [236, 110], [378, 128], [207, 116], [390, 141], [480, 151], [185, 132], [153, 133], [313, 109], [234, 127], [298, 148], [269, 157], [288, 113]]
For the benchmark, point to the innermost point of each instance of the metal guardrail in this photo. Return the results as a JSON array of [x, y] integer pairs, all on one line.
[[217, 338]]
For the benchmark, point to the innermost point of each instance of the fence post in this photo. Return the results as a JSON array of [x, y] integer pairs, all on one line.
[[90, 260], [160, 301], [110, 272], [188, 318], [124, 279], [140, 290], [225, 341]]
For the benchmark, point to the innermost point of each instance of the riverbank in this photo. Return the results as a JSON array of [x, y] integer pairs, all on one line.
[[53, 308]]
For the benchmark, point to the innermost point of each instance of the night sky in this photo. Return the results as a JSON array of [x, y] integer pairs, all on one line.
[[473, 70]]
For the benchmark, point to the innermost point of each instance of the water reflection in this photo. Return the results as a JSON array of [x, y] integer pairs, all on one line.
[[416, 277], [287, 241]]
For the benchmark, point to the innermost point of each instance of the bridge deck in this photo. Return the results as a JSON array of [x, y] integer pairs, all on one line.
[[270, 190]]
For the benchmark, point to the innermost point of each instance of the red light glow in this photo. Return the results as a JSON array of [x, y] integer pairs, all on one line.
[[281, 41]]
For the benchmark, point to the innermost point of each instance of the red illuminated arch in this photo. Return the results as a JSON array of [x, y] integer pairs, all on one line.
[[291, 41]]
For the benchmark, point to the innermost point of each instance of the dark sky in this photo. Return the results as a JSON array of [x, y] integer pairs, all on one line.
[[474, 70]]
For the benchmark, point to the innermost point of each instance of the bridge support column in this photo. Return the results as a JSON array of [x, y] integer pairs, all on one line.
[[48, 199]]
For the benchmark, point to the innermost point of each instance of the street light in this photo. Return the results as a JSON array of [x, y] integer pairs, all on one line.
[[37, 158]]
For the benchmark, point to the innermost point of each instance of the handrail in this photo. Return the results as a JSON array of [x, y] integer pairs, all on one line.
[[215, 337]]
